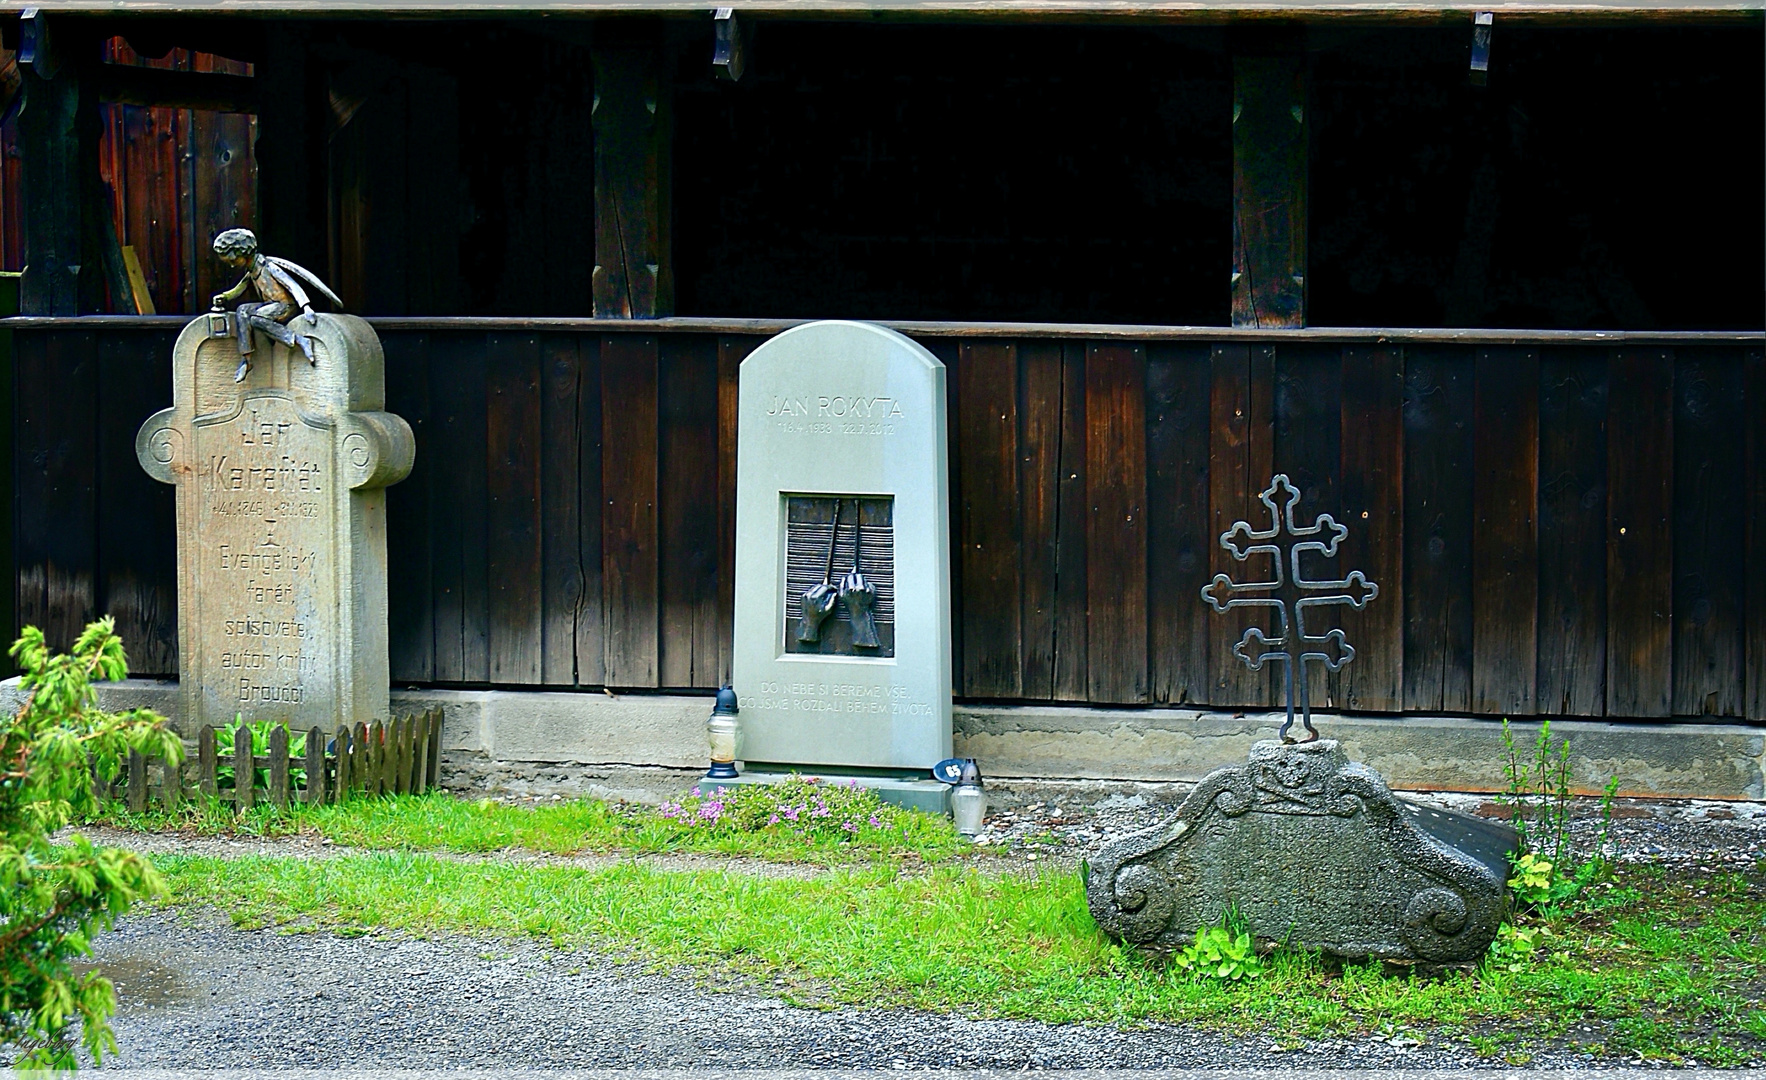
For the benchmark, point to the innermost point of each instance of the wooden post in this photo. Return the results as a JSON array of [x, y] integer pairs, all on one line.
[[171, 790], [361, 768], [278, 776], [340, 789], [420, 751], [1269, 188], [242, 768], [634, 267], [137, 782], [435, 743], [205, 760], [58, 140], [315, 766]]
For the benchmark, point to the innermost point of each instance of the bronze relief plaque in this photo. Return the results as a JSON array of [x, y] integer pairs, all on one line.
[[840, 566]]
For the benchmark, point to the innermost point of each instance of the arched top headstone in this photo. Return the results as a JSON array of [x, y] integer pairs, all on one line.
[[842, 638], [281, 521]]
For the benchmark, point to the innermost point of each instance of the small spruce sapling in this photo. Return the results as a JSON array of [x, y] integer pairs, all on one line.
[[54, 899]]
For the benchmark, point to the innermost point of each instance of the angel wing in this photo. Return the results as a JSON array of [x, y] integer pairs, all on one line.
[[307, 275]]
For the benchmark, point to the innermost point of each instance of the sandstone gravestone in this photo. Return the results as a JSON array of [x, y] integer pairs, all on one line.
[[841, 497], [281, 522], [1313, 849]]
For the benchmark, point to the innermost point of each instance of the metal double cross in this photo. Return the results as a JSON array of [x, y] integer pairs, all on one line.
[[1291, 594]]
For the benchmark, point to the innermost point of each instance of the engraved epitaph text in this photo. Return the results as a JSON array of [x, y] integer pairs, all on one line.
[[281, 524]]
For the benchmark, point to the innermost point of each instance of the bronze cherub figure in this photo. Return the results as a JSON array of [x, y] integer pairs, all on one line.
[[278, 285]]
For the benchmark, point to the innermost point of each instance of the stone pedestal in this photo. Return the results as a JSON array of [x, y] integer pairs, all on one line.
[[1314, 850], [840, 460], [281, 523]]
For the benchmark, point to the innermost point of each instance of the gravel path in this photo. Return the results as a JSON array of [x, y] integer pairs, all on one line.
[[197, 993]]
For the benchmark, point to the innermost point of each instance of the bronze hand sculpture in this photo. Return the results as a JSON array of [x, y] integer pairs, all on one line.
[[859, 595], [277, 283], [819, 600]]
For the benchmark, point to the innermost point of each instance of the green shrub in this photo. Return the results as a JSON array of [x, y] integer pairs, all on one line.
[[1224, 953], [260, 747], [54, 899], [1547, 871]]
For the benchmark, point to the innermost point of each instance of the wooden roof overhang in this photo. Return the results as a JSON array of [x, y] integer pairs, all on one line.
[[1186, 11]]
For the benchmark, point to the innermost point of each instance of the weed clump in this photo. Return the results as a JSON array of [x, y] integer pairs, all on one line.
[[806, 808]]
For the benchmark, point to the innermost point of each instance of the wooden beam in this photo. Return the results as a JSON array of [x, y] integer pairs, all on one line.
[[634, 272], [1269, 190], [127, 85]]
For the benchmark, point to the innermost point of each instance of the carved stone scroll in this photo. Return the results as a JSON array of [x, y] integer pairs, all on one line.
[[1315, 850]]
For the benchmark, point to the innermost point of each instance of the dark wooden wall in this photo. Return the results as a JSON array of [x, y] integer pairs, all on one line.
[[1559, 525]]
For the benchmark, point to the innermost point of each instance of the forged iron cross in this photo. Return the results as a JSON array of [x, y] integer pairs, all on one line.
[[1291, 594]]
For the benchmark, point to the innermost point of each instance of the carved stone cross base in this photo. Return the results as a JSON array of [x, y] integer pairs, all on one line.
[[1313, 850]]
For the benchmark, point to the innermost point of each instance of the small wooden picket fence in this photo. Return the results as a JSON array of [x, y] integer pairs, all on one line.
[[397, 757]]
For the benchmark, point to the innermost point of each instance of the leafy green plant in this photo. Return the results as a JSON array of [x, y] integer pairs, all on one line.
[[1547, 870], [53, 900], [1224, 953], [260, 747]]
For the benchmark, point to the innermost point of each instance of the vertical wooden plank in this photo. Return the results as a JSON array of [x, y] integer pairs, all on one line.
[[411, 514], [591, 652], [137, 790], [277, 784], [1041, 423], [634, 266], [1640, 537], [1572, 532], [1438, 412], [206, 760], [400, 742], [1371, 496], [1177, 522], [629, 568], [171, 791], [362, 762], [380, 753], [1505, 543], [458, 481], [340, 748], [1755, 488], [225, 179], [436, 718], [56, 493], [730, 353], [244, 769], [1710, 532], [314, 792], [687, 511], [1241, 460], [1269, 190], [420, 755], [988, 527], [1072, 615], [560, 509], [137, 556], [512, 431], [1116, 530], [1309, 451]]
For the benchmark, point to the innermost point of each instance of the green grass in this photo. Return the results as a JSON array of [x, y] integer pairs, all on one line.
[[1659, 970], [441, 822]]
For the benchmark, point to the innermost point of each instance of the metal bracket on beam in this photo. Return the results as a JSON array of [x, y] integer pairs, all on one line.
[[729, 54]]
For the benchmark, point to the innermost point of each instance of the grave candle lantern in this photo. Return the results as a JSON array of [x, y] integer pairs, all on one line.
[[724, 732]]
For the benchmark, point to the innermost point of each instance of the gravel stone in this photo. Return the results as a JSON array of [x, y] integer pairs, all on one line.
[[197, 993]]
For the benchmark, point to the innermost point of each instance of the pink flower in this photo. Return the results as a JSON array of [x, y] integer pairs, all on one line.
[[774, 820], [875, 824]]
